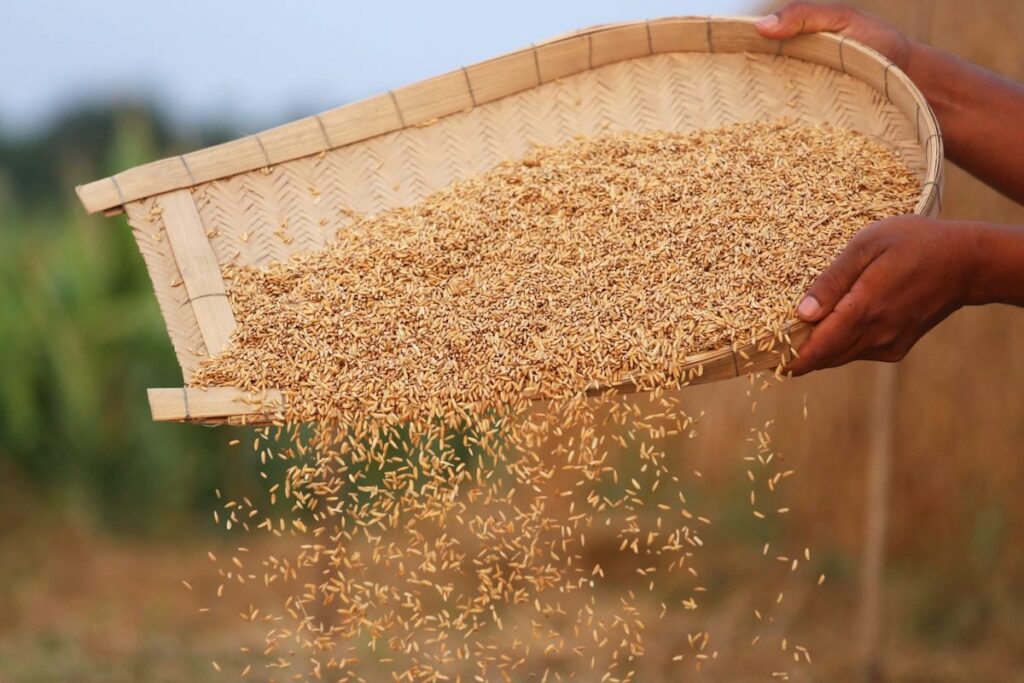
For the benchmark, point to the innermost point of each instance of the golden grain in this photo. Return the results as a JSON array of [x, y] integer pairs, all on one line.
[[590, 264]]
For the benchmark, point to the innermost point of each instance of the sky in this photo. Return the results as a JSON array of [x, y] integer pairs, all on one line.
[[259, 63]]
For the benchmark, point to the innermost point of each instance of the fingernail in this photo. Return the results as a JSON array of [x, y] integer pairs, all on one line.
[[768, 22], [808, 308]]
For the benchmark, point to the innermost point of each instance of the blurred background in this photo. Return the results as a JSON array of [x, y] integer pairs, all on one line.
[[104, 512]]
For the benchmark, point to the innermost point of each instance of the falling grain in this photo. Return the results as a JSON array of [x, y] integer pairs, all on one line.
[[429, 332]]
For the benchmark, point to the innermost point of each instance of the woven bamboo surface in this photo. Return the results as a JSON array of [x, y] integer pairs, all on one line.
[[264, 197]]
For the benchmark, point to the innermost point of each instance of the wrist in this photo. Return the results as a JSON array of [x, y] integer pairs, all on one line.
[[971, 248], [928, 68], [911, 57], [993, 264]]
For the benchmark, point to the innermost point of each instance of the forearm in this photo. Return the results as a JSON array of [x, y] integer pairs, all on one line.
[[997, 271], [980, 114]]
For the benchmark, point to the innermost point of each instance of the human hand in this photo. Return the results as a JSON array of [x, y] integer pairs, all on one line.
[[809, 17], [896, 280]]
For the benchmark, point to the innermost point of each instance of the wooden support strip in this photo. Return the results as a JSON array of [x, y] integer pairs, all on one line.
[[211, 405], [229, 404], [199, 268], [738, 35], [426, 101], [685, 34], [619, 43], [501, 77]]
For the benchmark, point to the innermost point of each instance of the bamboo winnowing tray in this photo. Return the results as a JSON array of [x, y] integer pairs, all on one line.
[[264, 197]]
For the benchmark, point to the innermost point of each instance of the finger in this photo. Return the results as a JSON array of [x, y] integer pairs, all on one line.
[[803, 17], [833, 283], [838, 336]]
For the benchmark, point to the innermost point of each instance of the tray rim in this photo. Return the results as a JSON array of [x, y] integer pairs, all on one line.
[[504, 75]]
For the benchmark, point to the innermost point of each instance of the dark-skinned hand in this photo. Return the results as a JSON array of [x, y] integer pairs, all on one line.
[[808, 17], [896, 280], [899, 277]]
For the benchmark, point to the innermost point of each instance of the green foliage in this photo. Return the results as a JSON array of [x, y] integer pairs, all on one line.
[[82, 338]]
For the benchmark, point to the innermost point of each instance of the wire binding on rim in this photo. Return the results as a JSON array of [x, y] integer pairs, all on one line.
[[935, 192], [323, 131], [266, 157], [885, 79], [188, 169], [398, 110], [469, 85], [117, 186], [206, 296]]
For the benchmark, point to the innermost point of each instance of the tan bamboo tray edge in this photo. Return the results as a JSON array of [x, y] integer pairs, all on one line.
[[228, 404], [268, 195]]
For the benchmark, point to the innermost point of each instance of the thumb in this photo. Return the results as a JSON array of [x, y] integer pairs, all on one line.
[[803, 17], [832, 284]]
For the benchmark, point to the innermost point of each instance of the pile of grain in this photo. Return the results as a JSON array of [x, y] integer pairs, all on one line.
[[448, 528], [591, 262]]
